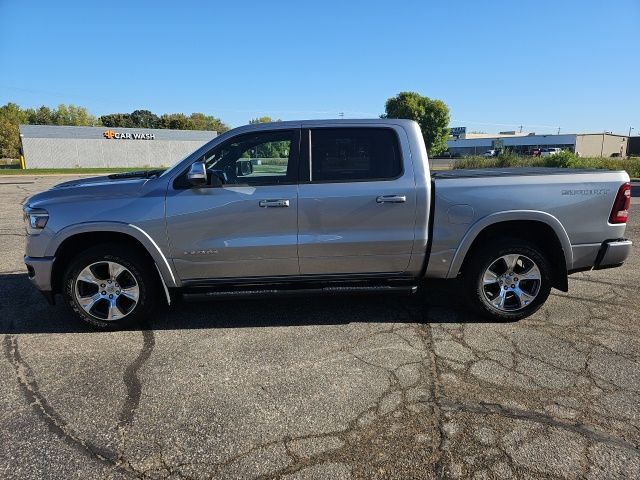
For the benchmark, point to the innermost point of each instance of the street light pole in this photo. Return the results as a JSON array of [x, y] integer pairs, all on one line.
[[630, 128]]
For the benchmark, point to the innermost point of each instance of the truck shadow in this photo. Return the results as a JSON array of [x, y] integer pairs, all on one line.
[[24, 310]]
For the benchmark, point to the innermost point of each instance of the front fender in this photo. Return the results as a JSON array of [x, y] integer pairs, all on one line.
[[162, 262], [506, 216]]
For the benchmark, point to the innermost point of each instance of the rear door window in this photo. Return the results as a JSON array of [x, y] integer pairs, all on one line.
[[354, 154]]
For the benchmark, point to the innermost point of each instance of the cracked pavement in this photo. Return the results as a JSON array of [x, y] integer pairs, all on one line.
[[367, 386]]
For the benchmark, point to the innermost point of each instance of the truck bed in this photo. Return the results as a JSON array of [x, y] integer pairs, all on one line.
[[576, 204], [509, 172]]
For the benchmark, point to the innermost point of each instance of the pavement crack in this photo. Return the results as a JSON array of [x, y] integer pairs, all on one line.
[[603, 282], [595, 300], [54, 421], [436, 392], [540, 418], [42, 408], [132, 381]]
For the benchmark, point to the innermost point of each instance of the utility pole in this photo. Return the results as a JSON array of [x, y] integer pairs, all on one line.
[[630, 128], [520, 128], [558, 130], [341, 115]]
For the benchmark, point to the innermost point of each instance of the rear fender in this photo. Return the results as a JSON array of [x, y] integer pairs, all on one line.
[[506, 216]]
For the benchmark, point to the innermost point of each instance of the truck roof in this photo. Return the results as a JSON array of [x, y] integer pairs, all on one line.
[[330, 122]]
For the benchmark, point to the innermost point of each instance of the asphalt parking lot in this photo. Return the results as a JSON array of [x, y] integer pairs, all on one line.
[[324, 387]]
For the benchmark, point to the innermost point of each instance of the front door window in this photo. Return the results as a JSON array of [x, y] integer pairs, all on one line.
[[254, 159]]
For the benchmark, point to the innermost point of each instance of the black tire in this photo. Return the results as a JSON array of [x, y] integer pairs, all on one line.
[[137, 266], [479, 296]]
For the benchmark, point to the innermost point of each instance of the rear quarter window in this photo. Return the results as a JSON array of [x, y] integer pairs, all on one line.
[[354, 154]]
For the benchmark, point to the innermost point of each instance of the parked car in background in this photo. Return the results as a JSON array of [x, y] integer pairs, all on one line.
[[333, 206], [547, 152], [491, 153]]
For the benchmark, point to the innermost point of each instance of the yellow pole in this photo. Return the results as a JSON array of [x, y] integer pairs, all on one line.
[[22, 166]]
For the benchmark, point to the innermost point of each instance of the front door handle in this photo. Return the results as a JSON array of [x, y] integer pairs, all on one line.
[[391, 199], [273, 203]]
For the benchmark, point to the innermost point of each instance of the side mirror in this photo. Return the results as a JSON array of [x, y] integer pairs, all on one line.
[[197, 175]]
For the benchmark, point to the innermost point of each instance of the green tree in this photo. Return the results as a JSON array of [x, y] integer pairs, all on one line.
[[265, 119], [216, 125], [144, 119], [11, 115], [271, 149], [72, 115], [175, 121], [200, 121], [117, 120], [41, 116], [432, 116]]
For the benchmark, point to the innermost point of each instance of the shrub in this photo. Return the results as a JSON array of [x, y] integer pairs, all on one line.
[[502, 161], [560, 160], [563, 159]]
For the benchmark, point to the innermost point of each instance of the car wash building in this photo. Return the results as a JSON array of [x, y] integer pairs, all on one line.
[[50, 146], [583, 144]]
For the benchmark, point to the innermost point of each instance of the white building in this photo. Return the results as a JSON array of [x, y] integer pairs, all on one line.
[[50, 146], [584, 144]]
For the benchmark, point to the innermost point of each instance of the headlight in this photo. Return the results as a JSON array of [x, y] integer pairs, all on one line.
[[35, 220]]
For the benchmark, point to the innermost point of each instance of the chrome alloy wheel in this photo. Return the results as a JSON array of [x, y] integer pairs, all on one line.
[[106, 290], [511, 283]]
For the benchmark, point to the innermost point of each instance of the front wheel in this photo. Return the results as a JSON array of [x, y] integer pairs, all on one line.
[[110, 286], [507, 281]]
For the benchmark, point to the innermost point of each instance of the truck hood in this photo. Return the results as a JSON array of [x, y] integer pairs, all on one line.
[[116, 177], [81, 182], [91, 188]]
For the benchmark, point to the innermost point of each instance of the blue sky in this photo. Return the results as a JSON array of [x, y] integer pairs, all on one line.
[[573, 65]]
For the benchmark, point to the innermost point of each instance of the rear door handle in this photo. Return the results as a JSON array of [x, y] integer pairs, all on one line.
[[273, 203], [391, 199]]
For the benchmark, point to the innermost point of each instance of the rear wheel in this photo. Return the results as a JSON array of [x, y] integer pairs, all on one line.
[[110, 286], [507, 281]]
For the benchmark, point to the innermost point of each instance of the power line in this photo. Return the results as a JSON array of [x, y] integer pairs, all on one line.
[[458, 120]]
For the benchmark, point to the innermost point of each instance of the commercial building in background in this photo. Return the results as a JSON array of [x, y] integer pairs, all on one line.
[[583, 144], [49, 146]]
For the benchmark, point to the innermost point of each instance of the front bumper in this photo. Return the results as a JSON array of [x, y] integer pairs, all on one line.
[[613, 253], [39, 271]]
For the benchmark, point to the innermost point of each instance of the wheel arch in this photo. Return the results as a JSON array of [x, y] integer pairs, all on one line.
[[540, 228], [75, 239]]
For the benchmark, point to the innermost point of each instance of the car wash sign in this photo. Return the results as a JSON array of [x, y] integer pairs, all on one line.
[[111, 135]]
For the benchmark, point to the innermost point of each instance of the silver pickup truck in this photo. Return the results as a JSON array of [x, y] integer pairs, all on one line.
[[330, 206]]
